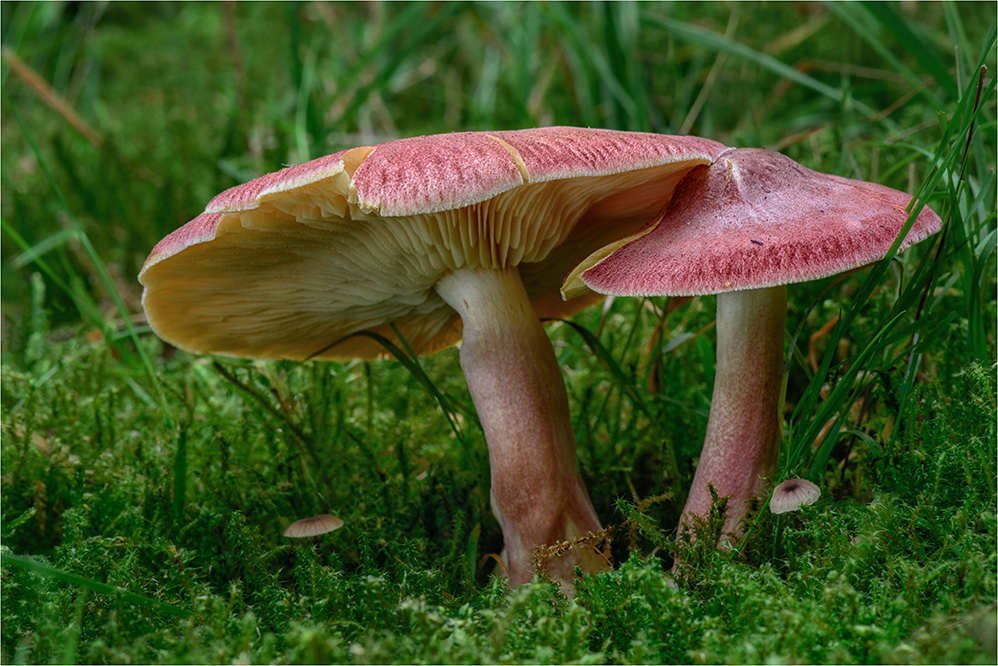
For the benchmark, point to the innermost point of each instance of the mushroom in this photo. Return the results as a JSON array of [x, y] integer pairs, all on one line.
[[313, 526], [792, 494], [743, 228], [438, 237]]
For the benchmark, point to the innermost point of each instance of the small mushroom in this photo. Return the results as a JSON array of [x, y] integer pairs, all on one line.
[[792, 494], [463, 236], [743, 228], [313, 526]]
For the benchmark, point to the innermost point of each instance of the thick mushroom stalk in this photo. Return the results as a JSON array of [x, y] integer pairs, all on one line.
[[743, 432], [514, 380]]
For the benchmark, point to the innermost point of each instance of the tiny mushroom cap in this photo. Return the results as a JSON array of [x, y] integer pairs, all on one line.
[[314, 526], [792, 494], [453, 237], [743, 228]]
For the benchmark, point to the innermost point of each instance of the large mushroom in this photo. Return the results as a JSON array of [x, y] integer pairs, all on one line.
[[743, 228], [463, 236]]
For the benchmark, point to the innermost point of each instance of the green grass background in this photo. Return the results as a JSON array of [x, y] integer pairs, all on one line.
[[144, 490]]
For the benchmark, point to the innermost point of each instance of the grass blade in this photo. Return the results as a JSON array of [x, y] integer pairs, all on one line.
[[180, 475], [857, 17], [27, 564], [80, 297], [715, 42], [409, 29], [923, 53], [411, 364], [627, 385]]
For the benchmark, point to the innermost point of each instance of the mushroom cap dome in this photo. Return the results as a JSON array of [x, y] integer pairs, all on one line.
[[289, 263], [754, 219], [313, 526], [792, 494]]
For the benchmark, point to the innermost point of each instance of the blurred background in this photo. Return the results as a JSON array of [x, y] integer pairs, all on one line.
[[144, 111]]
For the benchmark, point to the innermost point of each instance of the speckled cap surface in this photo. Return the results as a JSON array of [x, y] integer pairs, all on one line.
[[291, 262], [753, 219]]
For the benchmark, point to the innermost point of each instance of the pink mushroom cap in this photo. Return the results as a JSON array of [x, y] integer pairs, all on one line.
[[753, 219], [288, 263]]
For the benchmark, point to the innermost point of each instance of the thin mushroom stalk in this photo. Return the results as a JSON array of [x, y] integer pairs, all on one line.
[[516, 385], [743, 432]]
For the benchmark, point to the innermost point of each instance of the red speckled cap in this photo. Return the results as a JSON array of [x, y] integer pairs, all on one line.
[[287, 264], [753, 219]]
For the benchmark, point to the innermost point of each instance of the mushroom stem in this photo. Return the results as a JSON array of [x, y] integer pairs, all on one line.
[[743, 432], [516, 384]]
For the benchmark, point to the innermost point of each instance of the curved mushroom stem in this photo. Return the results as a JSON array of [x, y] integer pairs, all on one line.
[[513, 375], [743, 432]]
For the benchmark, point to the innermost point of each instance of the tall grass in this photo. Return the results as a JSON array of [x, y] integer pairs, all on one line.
[[144, 491]]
